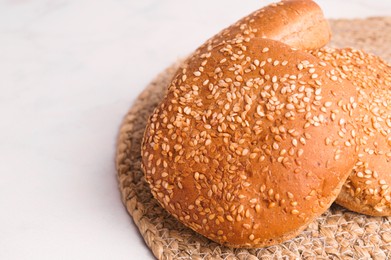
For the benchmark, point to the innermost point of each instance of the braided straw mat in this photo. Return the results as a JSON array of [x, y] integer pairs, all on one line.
[[337, 234]]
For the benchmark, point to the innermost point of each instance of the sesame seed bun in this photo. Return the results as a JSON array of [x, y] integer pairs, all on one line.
[[254, 138], [250, 143], [367, 190], [298, 23]]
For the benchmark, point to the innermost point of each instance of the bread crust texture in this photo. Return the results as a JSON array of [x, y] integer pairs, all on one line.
[[255, 137], [367, 190]]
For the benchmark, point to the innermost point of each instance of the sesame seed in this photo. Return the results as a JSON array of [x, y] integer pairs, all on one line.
[[290, 106], [328, 104], [187, 110], [247, 214], [295, 212], [245, 151], [246, 226], [270, 117]]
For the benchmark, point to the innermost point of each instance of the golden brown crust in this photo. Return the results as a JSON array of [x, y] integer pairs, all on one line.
[[367, 190], [298, 23], [250, 135], [254, 139]]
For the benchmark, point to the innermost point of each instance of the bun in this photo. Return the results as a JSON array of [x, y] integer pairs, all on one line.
[[254, 139], [298, 23], [367, 190]]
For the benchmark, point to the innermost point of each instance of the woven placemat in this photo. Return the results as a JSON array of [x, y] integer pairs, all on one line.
[[337, 234]]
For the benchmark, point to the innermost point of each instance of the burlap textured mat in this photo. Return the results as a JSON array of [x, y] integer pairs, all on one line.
[[337, 234]]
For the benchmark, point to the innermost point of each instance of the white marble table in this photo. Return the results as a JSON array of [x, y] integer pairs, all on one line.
[[69, 70]]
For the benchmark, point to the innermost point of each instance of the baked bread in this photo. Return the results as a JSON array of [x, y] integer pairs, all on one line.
[[253, 140], [367, 190], [298, 23]]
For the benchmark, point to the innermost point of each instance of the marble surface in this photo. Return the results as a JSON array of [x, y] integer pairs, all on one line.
[[69, 70]]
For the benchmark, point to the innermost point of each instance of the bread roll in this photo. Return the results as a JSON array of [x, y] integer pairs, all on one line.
[[368, 188], [298, 23], [254, 139]]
